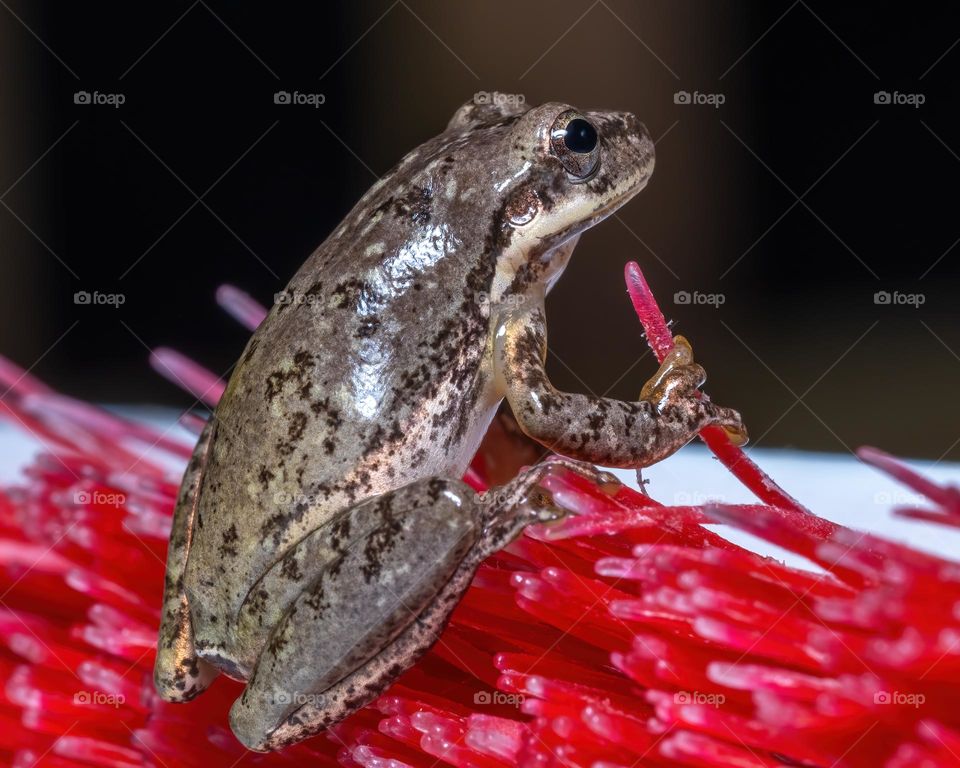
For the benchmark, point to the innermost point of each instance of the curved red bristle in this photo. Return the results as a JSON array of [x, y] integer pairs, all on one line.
[[732, 457], [182, 371], [241, 306]]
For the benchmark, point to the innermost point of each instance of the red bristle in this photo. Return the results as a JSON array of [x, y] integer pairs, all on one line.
[[627, 634]]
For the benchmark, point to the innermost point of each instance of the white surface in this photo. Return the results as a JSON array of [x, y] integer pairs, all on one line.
[[837, 487]]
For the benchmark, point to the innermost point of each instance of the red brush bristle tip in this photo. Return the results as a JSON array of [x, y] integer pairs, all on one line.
[[628, 634]]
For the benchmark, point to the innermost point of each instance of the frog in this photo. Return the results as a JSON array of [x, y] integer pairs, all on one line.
[[323, 533]]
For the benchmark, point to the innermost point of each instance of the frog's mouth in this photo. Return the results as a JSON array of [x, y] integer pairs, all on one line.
[[608, 207], [603, 209], [587, 217]]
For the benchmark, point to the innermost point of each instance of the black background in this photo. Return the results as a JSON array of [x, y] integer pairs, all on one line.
[[799, 346]]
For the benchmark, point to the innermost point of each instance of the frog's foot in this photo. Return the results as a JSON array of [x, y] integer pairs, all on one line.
[[675, 389], [179, 674], [363, 617], [508, 509]]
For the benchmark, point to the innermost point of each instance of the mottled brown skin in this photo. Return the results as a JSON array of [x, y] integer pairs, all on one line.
[[322, 536]]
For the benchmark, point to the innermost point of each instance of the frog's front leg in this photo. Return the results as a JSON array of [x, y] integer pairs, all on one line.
[[598, 429], [379, 584]]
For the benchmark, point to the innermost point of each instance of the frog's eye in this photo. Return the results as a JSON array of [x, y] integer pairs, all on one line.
[[576, 145]]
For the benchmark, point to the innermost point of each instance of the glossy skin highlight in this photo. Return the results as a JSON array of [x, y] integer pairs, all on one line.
[[322, 536]]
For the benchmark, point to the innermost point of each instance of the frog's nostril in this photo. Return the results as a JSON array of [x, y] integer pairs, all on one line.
[[633, 123]]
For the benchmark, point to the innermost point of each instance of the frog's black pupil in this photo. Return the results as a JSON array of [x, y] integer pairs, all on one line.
[[580, 136]]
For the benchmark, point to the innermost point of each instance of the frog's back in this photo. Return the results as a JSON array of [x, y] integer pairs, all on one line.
[[367, 375]]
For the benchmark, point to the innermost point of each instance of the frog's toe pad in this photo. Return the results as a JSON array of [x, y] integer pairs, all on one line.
[[181, 678]]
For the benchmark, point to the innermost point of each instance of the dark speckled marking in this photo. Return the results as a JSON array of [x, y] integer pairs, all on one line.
[[379, 543], [298, 424], [415, 205], [265, 476], [230, 539], [290, 568], [278, 523], [298, 375], [347, 293]]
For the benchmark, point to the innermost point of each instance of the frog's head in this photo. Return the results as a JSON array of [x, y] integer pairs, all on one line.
[[555, 172]]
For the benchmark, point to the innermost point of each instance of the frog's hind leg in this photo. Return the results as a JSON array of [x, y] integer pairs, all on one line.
[[373, 609], [368, 576], [179, 674], [317, 712]]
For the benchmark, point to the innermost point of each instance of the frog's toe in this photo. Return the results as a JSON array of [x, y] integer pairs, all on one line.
[[179, 674], [526, 499], [182, 678], [732, 424], [248, 727]]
